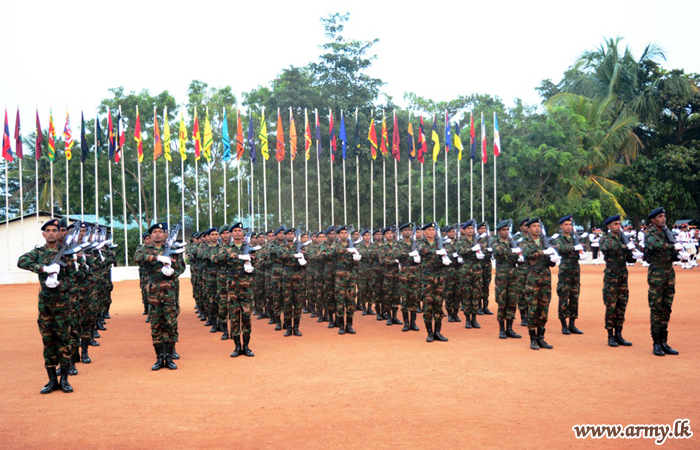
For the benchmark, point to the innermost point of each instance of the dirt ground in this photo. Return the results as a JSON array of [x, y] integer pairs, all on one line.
[[380, 388]]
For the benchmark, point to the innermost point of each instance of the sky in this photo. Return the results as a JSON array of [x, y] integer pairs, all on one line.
[[67, 54]]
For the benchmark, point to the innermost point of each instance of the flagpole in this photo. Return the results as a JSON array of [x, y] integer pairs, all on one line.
[[330, 161], [126, 240], [21, 200], [483, 196], [82, 202], [182, 193], [291, 166], [97, 211], [252, 186], [238, 185], [51, 166], [264, 180], [318, 174], [409, 175], [396, 186], [111, 190], [138, 169], [459, 197], [196, 188], [209, 181], [345, 193], [155, 172], [494, 173], [7, 215], [259, 200], [167, 179], [471, 187], [67, 188], [357, 170], [279, 176], [434, 209], [371, 184], [422, 219], [306, 173], [447, 144], [36, 185], [384, 186]]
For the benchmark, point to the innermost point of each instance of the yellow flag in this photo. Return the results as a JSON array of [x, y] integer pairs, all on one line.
[[263, 137], [208, 138], [166, 136], [182, 135]]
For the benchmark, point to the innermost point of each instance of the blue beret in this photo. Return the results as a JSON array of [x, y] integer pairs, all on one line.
[[290, 230], [281, 229], [377, 230], [330, 229], [502, 224], [429, 225], [365, 231], [565, 218], [482, 224], [523, 221], [158, 226], [468, 223], [236, 225], [611, 219], [51, 222], [406, 225], [656, 212], [223, 228], [341, 228], [533, 220], [448, 228], [145, 235]]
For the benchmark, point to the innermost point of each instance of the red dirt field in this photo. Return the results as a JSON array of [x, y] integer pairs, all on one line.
[[380, 388]]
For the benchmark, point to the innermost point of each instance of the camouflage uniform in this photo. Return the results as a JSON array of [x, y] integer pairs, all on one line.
[[452, 298], [364, 276], [311, 275], [433, 285], [408, 278], [486, 270], [661, 277], [615, 289], [239, 292], [506, 280], [343, 264], [291, 286], [391, 291], [327, 295], [377, 278], [275, 288], [569, 283], [538, 290], [469, 278]]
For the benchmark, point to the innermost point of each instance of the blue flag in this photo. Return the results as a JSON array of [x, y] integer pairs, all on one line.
[[343, 137], [318, 137], [448, 135], [251, 139], [226, 139]]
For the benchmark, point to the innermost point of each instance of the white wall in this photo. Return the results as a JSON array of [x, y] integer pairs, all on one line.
[[19, 240]]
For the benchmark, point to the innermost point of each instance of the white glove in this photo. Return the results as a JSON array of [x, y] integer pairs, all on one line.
[[489, 249], [52, 268], [554, 258], [684, 255], [476, 248], [414, 253], [516, 250], [75, 264], [578, 248], [630, 245], [555, 235], [248, 267], [583, 235], [442, 252], [447, 240], [52, 281], [357, 257], [164, 259], [483, 235], [480, 255], [244, 257], [521, 258], [549, 251], [179, 250], [678, 246], [352, 250], [299, 256], [637, 254], [460, 259], [583, 256], [167, 271], [455, 255], [397, 262], [302, 261], [446, 261], [416, 259]]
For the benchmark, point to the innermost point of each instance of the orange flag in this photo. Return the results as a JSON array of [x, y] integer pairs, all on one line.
[[157, 144], [292, 136], [280, 138]]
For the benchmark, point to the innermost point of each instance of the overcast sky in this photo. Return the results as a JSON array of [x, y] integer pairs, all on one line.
[[66, 54]]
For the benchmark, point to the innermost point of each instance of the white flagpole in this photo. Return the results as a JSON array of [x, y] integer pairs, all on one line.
[[357, 177], [291, 166], [306, 174], [21, 201], [471, 172], [483, 196], [259, 197], [225, 163], [279, 178], [238, 184], [138, 167], [167, 180], [51, 166], [265, 181], [36, 186], [196, 182], [409, 175], [182, 194], [155, 172], [422, 218], [495, 218], [434, 208], [126, 240], [7, 215], [396, 186], [330, 161], [209, 183], [371, 183], [318, 174], [459, 197], [383, 175], [252, 186], [67, 190], [97, 209], [345, 193], [82, 202], [447, 216], [111, 188]]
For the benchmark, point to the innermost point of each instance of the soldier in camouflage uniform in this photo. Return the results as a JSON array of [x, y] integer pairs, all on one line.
[[222, 282], [482, 231], [377, 273], [292, 263], [312, 275], [522, 271], [210, 273], [162, 272], [469, 277], [275, 289], [408, 277], [660, 254], [364, 273], [305, 297], [344, 258], [452, 299], [146, 238], [433, 262], [355, 236], [88, 306], [569, 280], [54, 305], [538, 289], [615, 289], [190, 257], [259, 297], [329, 275], [506, 278], [391, 292]]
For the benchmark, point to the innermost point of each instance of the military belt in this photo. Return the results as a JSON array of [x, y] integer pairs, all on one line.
[[277, 266], [505, 265]]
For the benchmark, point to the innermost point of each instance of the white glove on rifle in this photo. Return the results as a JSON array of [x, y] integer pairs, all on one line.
[[516, 250], [678, 246], [460, 259], [578, 248], [164, 259], [555, 235], [397, 262], [52, 281], [446, 261], [248, 267], [489, 249], [549, 251], [244, 257], [167, 271], [483, 235], [357, 257], [480, 255], [521, 258], [51, 268], [554, 258], [352, 250], [442, 252], [476, 248], [630, 245], [177, 251], [302, 261], [299, 256], [414, 253], [416, 259], [636, 254]]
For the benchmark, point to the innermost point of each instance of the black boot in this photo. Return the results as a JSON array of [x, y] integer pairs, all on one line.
[[502, 330], [321, 316], [663, 335], [65, 385], [175, 354], [523, 317], [540, 339], [368, 310], [94, 343], [380, 316], [487, 311], [467, 320], [273, 318], [390, 316], [52, 385], [313, 313], [277, 322], [288, 327], [413, 326], [572, 327], [100, 326], [658, 350], [348, 328], [75, 354], [429, 327], [296, 327], [450, 315], [159, 357], [145, 309], [341, 324], [331, 321], [236, 351], [475, 324], [214, 326], [533, 340], [246, 349], [620, 340], [611, 338], [564, 327], [225, 335], [438, 335], [72, 370], [509, 330], [85, 359], [96, 335], [455, 315], [406, 324], [169, 357]]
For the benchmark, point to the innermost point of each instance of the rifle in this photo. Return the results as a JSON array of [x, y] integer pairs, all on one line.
[[545, 238], [672, 239], [350, 243], [170, 241], [246, 243], [414, 244], [438, 235], [510, 236], [68, 243], [297, 238]]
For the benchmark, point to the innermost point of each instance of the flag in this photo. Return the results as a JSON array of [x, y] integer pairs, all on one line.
[[385, 138], [182, 138], [372, 137], [166, 136], [226, 139], [263, 137], [84, 148], [197, 138], [239, 136], [448, 135], [483, 139], [334, 144], [496, 137], [251, 138], [472, 137], [52, 137], [208, 137], [110, 134], [100, 135], [68, 138], [6, 148], [458, 142], [436, 140], [343, 137], [307, 135], [121, 138], [422, 144], [39, 138], [357, 140], [319, 147], [137, 136], [411, 142], [18, 137], [396, 141], [157, 144], [292, 136], [279, 155]]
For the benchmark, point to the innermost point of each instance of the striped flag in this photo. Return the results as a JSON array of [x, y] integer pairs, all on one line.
[[111, 148], [6, 147], [182, 138], [307, 135], [239, 136], [422, 144], [472, 137], [292, 136], [52, 137], [157, 144], [436, 140], [39, 138], [18, 137], [448, 134], [137, 136], [226, 139], [496, 137], [458, 142], [483, 140], [279, 155], [334, 144], [197, 137], [68, 138], [411, 142], [372, 137], [121, 138]]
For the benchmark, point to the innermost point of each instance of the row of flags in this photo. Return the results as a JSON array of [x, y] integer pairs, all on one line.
[[417, 148]]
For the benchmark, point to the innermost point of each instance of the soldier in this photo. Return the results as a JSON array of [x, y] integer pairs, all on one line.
[[142, 283], [615, 290], [391, 294], [507, 256], [482, 231], [356, 239], [329, 275], [364, 273], [538, 289], [344, 258], [222, 282], [316, 259], [305, 241], [660, 254], [54, 305], [452, 281], [274, 289], [377, 274], [87, 301], [408, 277], [469, 277], [162, 273], [569, 280], [433, 260], [522, 271], [293, 263]]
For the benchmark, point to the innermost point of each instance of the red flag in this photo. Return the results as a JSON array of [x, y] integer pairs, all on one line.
[[307, 135], [18, 137], [292, 136], [239, 136], [372, 136], [39, 138], [197, 138], [6, 148], [137, 136], [157, 144], [422, 144], [385, 138], [334, 144], [395, 141], [280, 138]]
